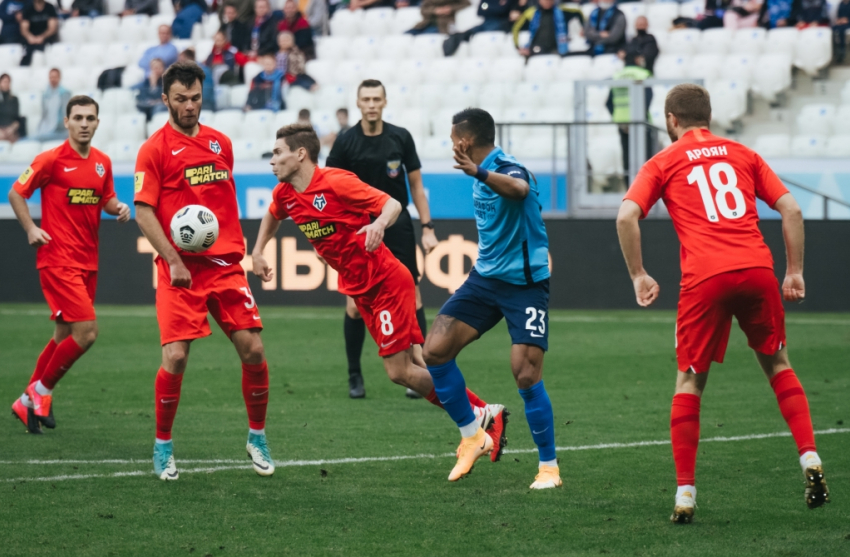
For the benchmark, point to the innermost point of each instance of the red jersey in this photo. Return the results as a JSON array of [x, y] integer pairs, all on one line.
[[73, 192], [331, 210], [174, 170], [710, 185]]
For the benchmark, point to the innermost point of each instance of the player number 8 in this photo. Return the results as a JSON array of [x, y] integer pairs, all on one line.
[[386, 323], [719, 172]]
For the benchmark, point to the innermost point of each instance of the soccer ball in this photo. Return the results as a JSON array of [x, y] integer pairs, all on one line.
[[194, 228]]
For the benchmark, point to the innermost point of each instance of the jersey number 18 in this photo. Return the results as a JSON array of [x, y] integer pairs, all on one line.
[[725, 181]]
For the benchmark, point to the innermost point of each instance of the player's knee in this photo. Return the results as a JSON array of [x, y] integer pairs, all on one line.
[[175, 356], [527, 377], [433, 355], [254, 353], [85, 335]]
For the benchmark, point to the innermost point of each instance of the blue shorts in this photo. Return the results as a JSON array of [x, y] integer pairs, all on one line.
[[481, 303]]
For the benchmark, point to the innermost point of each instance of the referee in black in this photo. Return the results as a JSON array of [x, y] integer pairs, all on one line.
[[382, 155]]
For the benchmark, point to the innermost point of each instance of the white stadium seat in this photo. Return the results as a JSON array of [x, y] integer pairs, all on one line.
[[203, 49], [396, 47], [401, 96], [841, 122], [632, 10], [605, 66], [321, 70], [258, 126], [130, 127], [132, 75], [510, 70], [5, 149], [494, 96], [414, 120], [487, 44], [542, 68], [123, 151], [739, 67], [476, 70], [836, 146], [251, 70], [443, 70], [61, 55], [431, 96], [669, 66], [249, 149], [104, 29], [134, 28], [815, 118], [116, 6], [285, 118], [157, 121], [554, 115], [689, 9], [605, 156], [661, 15], [11, 54], [772, 75], [436, 148], [410, 72], [405, 19], [773, 145], [29, 102], [206, 118], [364, 47], [728, 100], [377, 21], [350, 72], [560, 94], [333, 97], [705, 66], [229, 122], [76, 30], [845, 92], [298, 98], [782, 40], [119, 54], [528, 95], [24, 151], [682, 42], [166, 7], [808, 145], [117, 101], [429, 45], [92, 53], [814, 49], [50, 145], [714, 41], [79, 79], [750, 41], [239, 95], [575, 68], [465, 94], [467, 18], [346, 23]]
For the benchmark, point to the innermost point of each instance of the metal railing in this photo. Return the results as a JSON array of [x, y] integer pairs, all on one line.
[[826, 198]]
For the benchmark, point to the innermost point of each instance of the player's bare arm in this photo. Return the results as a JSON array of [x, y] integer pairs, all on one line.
[[153, 231], [628, 229], [117, 209], [35, 236], [420, 201], [268, 229], [793, 287], [502, 184], [375, 231]]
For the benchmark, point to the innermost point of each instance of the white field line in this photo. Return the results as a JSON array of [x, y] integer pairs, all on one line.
[[309, 316], [229, 464]]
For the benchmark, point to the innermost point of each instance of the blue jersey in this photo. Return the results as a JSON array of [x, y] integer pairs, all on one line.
[[512, 242]]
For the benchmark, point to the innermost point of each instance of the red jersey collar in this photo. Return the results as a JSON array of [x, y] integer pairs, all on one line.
[[698, 135]]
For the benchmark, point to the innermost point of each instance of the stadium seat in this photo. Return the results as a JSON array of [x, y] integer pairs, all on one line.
[[61, 55], [808, 145], [836, 146], [285, 118], [377, 21], [475, 70], [410, 72], [841, 122], [441, 121], [597, 96], [249, 149], [117, 6], [92, 53], [152, 31], [239, 95], [119, 54], [510, 69], [845, 92], [132, 75], [251, 70], [555, 115], [79, 79], [298, 98], [814, 49], [52, 144], [467, 18], [350, 72], [575, 68], [75, 30], [632, 10], [346, 23], [688, 9], [605, 66], [728, 100], [134, 28], [166, 7], [211, 25], [104, 29], [364, 47], [24, 151], [773, 145], [487, 44], [519, 116], [157, 121], [207, 118], [560, 94], [229, 122], [413, 120], [465, 94], [258, 125], [714, 41], [542, 68], [605, 157], [533, 146], [221, 94], [705, 66], [427, 46], [528, 95], [495, 96], [782, 40], [435, 148], [117, 101], [399, 96], [405, 19], [682, 42], [749, 41], [396, 47], [333, 97], [668, 66], [739, 67], [123, 151], [816, 118], [443, 70], [321, 70], [772, 75], [129, 126], [5, 149], [203, 49], [324, 121], [661, 16], [11, 54]]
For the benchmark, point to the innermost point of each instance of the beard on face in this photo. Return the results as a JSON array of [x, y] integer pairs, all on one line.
[[671, 133], [187, 123]]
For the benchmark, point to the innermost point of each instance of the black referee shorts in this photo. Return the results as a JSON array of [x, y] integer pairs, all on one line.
[[400, 238]]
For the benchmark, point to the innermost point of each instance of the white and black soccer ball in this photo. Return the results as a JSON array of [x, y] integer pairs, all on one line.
[[194, 228]]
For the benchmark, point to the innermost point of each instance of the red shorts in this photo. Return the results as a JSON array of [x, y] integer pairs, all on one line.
[[389, 311], [706, 310], [69, 292], [222, 291]]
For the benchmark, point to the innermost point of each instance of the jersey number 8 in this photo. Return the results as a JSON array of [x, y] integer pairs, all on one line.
[[386, 323], [718, 173]]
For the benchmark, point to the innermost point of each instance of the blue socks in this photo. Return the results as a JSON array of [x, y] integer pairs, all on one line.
[[538, 412], [451, 390]]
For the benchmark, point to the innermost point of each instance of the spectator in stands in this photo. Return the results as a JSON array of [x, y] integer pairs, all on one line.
[[225, 61], [839, 30], [263, 30], [267, 88], [304, 117], [87, 8], [742, 14], [244, 10], [316, 13], [367, 4], [10, 19], [548, 26], [148, 7], [643, 44], [39, 27], [296, 24], [437, 16], [342, 120], [208, 87], [53, 102], [291, 61], [498, 16], [776, 13], [605, 29], [236, 31], [712, 16], [10, 113], [149, 91], [165, 51], [809, 13], [189, 12], [619, 101]]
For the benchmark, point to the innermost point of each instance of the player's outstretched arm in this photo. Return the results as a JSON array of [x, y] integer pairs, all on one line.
[[375, 231], [153, 231], [502, 184], [628, 229], [116, 208], [35, 236], [268, 229], [420, 201], [793, 287]]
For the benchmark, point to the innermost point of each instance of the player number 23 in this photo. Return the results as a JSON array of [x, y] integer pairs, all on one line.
[[535, 314], [725, 181]]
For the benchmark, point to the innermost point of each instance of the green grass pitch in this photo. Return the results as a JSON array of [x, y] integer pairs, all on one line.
[[610, 376]]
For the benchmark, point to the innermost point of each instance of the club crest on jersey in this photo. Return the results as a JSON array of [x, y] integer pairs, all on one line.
[[319, 202], [393, 168], [205, 174], [215, 147], [99, 169]]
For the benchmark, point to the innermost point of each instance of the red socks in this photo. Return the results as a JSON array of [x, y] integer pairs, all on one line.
[[64, 355], [43, 360], [255, 391], [167, 391], [684, 434], [474, 401], [795, 408]]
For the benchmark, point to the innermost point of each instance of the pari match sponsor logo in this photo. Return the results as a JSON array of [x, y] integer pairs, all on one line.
[[83, 196], [315, 231], [205, 174]]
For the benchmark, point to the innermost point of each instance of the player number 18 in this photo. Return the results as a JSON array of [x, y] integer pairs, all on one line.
[[725, 181]]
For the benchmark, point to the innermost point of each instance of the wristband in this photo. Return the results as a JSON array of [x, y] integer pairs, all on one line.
[[481, 175], [429, 224]]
